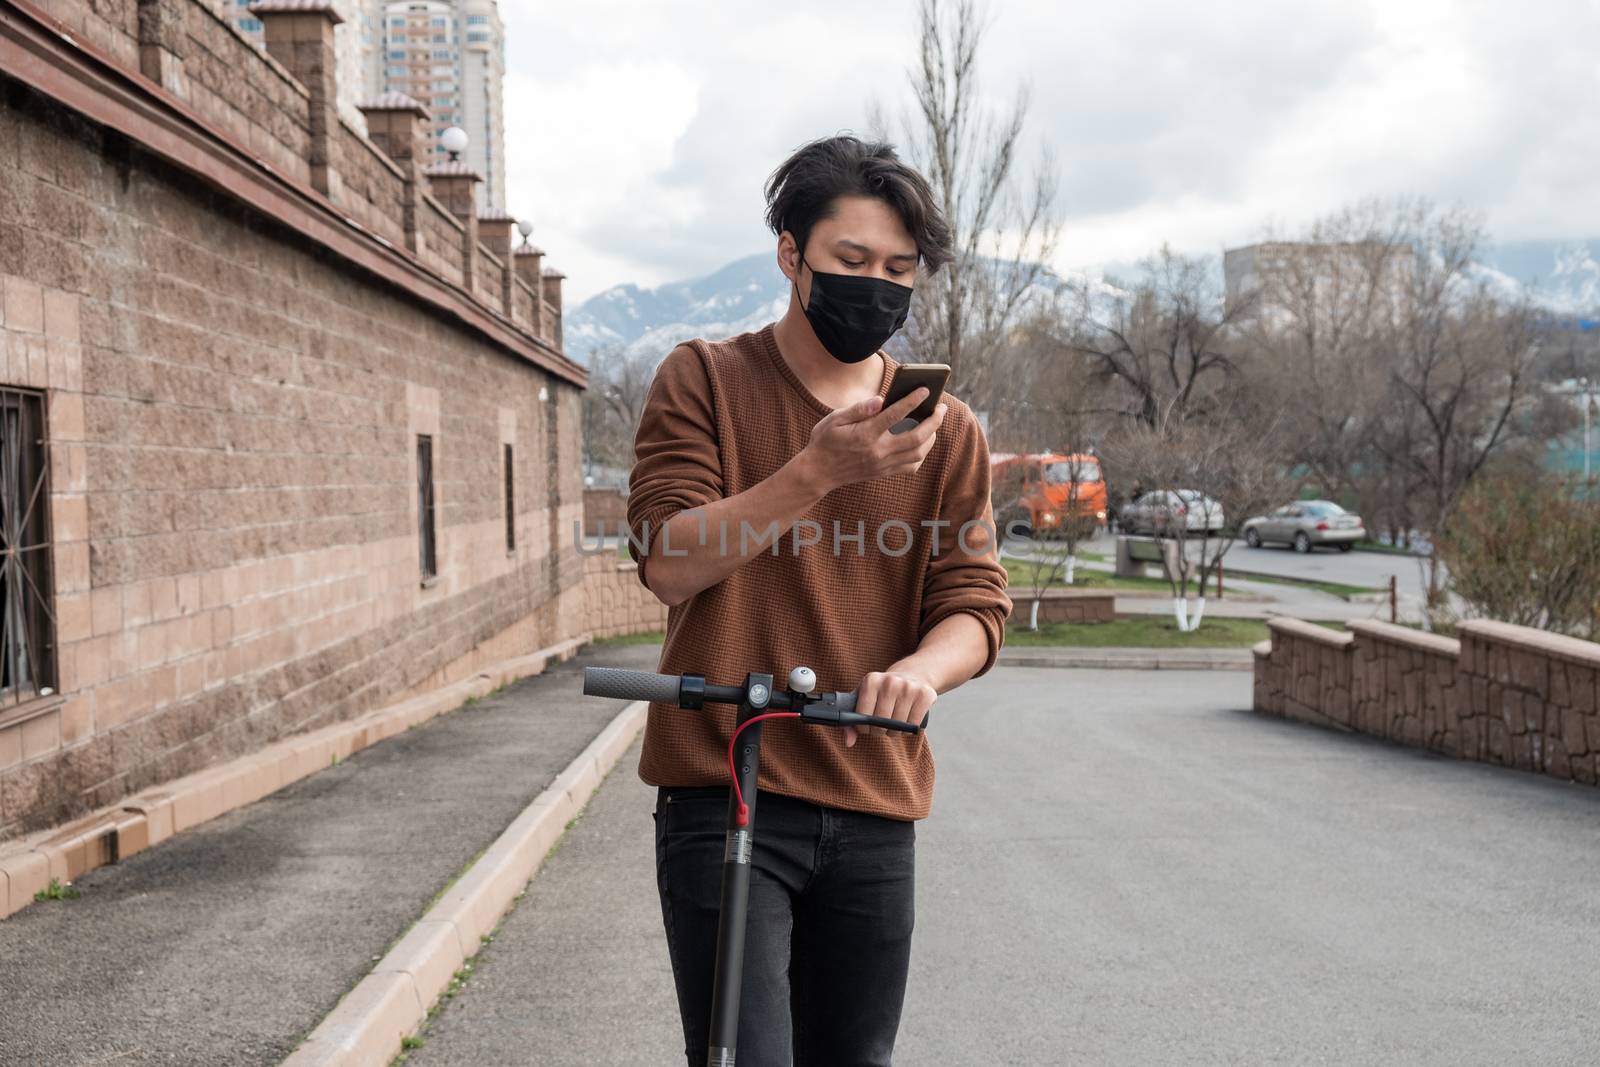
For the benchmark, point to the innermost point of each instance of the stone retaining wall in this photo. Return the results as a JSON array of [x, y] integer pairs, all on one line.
[[1500, 693], [1061, 605], [617, 602]]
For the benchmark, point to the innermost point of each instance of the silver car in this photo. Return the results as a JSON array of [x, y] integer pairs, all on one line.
[[1168, 511], [1304, 525]]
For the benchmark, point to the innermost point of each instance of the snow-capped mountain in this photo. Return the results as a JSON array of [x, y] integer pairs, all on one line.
[[1563, 276], [745, 294], [750, 292]]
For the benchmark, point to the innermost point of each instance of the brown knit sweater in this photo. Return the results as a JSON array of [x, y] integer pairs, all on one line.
[[723, 416]]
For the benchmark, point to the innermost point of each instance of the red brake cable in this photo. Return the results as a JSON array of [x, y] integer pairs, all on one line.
[[743, 814]]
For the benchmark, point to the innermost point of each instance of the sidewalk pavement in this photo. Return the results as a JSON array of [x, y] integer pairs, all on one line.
[[229, 942]]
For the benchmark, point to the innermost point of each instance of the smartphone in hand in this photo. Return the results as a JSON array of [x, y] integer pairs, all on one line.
[[906, 379]]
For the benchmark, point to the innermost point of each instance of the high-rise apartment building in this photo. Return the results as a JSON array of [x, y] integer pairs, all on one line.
[[448, 55], [483, 70]]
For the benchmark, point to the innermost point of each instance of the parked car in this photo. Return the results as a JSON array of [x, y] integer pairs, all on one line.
[[1159, 511], [1304, 525], [1035, 493]]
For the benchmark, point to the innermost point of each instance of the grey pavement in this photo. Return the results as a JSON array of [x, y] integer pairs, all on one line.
[[578, 972], [1128, 868], [227, 943]]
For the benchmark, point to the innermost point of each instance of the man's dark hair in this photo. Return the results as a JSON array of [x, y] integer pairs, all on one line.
[[804, 190]]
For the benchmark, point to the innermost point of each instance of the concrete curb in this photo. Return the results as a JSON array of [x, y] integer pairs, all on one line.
[[1133, 659], [368, 1025], [150, 817]]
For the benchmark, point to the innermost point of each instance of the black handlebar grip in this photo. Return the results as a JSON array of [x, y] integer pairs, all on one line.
[[846, 702], [619, 684]]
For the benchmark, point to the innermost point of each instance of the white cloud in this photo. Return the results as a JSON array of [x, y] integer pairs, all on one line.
[[640, 132]]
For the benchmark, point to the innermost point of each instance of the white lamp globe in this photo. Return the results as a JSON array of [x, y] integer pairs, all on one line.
[[525, 228], [454, 140]]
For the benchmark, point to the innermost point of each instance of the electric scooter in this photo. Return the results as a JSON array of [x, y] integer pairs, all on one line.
[[757, 701]]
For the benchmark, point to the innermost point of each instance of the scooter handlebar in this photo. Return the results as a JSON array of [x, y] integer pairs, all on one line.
[[618, 683]]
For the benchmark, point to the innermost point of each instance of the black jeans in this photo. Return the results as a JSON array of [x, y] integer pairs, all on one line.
[[828, 943]]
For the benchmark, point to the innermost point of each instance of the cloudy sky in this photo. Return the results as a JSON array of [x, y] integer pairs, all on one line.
[[640, 131]]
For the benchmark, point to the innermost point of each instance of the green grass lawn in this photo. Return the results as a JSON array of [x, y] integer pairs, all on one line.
[[1020, 574], [649, 637], [1142, 631], [1146, 631]]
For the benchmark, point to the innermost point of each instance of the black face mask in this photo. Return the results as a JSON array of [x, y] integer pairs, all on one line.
[[853, 317]]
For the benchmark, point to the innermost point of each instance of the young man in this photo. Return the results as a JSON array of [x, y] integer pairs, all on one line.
[[883, 578]]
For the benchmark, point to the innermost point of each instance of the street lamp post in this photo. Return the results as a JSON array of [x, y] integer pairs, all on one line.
[[1588, 403]]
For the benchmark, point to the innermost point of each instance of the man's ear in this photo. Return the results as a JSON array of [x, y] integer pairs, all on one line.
[[789, 256]]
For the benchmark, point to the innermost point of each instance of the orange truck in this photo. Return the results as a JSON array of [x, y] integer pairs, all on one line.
[[1045, 489]]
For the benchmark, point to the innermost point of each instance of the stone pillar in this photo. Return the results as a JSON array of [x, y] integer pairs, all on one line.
[[161, 46], [552, 296], [529, 261], [455, 185], [299, 34], [495, 232], [399, 126]]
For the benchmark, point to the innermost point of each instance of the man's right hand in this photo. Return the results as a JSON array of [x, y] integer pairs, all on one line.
[[853, 444]]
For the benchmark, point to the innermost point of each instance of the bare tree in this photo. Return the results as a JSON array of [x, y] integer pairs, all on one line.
[[1168, 345], [1323, 304], [1402, 374], [1212, 474], [1043, 401], [1005, 227], [618, 385]]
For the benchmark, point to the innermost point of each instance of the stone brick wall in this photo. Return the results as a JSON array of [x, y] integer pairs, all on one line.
[[232, 84], [233, 409], [110, 25], [373, 187], [442, 240], [1303, 672], [1500, 693], [1404, 685], [605, 512], [488, 276], [1532, 700], [618, 603], [1063, 605]]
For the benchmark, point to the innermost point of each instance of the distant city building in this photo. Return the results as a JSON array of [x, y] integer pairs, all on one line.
[[1250, 269], [483, 71], [449, 55]]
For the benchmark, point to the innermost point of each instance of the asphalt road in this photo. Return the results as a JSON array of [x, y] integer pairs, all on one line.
[[1370, 569], [1127, 868]]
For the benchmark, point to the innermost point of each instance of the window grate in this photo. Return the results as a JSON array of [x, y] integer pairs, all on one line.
[[425, 528], [511, 506], [27, 612]]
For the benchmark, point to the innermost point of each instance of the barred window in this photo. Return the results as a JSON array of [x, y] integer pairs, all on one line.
[[27, 609], [511, 507], [425, 529]]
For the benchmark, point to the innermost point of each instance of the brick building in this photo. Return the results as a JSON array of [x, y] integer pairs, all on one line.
[[286, 431]]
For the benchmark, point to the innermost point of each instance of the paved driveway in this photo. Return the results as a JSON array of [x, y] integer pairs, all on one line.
[[1128, 868]]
